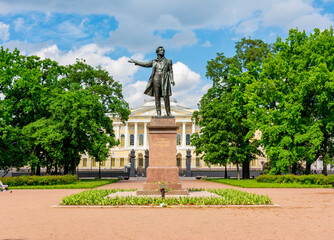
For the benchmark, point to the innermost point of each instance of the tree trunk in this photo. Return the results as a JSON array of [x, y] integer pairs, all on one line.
[[324, 168], [38, 170], [225, 170], [238, 171], [33, 171], [65, 169], [99, 170], [246, 170]]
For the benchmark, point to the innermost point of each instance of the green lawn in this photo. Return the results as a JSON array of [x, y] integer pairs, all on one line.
[[251, 183], [81, 184]]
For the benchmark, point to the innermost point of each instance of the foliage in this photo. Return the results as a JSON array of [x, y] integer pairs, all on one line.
[[226, 132], [228, 197], [52, 114], [293, 101], [252, 183], [80, 184], [304, 179], [39, 180]]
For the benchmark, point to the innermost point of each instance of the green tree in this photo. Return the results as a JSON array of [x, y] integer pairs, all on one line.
[[53, 114], [226, 134], [293, 101]]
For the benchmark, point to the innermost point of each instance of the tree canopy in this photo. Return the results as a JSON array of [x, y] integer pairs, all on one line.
[[51, 114], [226, 131], [294, 101]]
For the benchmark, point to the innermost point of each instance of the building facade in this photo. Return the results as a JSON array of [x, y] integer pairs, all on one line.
[[133, 134]]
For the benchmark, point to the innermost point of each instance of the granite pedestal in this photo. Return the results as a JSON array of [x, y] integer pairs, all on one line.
[[162, 160]]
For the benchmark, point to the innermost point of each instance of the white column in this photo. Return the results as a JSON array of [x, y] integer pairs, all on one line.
[[136, 134], [183, 134], [145, 135], [117, 133], [126, 135], [193, 128]]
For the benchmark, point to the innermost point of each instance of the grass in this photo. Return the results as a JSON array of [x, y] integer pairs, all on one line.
[[227, 197], [81, 184], [251, 183]]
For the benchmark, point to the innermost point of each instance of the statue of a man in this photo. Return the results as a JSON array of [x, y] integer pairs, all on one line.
[[159, 84]]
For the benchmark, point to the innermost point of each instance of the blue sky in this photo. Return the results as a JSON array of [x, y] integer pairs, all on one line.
[[109, 32]]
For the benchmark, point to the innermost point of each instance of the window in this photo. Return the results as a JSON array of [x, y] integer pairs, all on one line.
[[113, 162], [141, 139], [84, 162], [198, 163], [122, 140], [188, 139], [178, 160], [94, 162], [132, 139], [178, 139], [103, 163], [121, 162]]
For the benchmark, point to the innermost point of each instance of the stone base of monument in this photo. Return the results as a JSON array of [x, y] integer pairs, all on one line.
[[162, 164]]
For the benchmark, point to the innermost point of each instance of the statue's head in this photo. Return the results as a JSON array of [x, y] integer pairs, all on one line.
[[160, 48]]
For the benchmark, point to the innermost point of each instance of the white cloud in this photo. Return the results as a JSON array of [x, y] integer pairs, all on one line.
[[69, 29], [19, 24], [94, 55], [138, 20], [205, 88], [184, 77], [296, 13], [248, 27], [4, 31], [207, 43], [134, 93]]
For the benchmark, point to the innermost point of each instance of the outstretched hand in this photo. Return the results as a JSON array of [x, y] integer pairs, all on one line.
[[173, 83], [131, 60]]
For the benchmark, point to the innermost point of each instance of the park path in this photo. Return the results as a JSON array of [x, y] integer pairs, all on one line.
[[304, 214]]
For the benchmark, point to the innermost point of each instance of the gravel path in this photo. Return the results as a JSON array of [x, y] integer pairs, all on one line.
[[304, 214]]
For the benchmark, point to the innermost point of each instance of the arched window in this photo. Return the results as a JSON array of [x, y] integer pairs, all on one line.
[[178, 160], [178, 139], [141, 139], [132, 139], [188, 139], [122, 140]]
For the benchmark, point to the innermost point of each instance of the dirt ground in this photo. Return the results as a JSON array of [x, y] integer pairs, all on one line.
[[304, 214]]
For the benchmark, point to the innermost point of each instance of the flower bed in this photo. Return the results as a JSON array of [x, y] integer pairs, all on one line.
[[226, 197]]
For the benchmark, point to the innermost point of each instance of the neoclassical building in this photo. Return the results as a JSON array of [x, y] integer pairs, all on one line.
[[133, 134]]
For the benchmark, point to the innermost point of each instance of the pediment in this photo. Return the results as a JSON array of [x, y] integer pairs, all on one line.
[[148, 109]]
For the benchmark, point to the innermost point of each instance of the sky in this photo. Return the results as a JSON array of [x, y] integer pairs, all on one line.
[[108, 33]]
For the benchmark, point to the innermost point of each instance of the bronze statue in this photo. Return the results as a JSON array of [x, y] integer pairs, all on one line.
[[159, 84]]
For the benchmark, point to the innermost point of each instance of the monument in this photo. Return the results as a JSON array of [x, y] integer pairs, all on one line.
[[162, 169]]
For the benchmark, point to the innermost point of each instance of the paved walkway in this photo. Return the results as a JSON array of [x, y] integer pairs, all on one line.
[[304, 214]]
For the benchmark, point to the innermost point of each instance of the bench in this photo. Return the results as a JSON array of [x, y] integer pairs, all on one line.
[[3, 187]]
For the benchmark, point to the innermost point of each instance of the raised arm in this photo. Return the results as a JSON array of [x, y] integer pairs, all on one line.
[[142, 64]]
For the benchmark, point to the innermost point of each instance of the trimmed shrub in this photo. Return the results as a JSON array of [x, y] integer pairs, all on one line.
[[39, 180], [303, 179]]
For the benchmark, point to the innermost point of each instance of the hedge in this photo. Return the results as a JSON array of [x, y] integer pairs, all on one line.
[[303, 179], [39, 180]]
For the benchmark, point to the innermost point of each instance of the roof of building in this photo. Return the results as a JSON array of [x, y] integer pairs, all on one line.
[[148, 108]]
